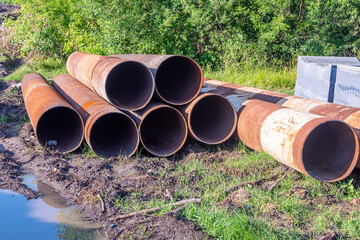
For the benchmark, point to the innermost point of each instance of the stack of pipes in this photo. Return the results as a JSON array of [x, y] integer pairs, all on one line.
[[120, 101], [152, 99]]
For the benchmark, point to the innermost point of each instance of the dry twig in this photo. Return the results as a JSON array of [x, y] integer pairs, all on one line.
[[102, 203], [278, 180], [236, 187], [151, 210]]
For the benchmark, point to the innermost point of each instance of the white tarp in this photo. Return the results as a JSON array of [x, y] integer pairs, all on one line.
[[329, 79]]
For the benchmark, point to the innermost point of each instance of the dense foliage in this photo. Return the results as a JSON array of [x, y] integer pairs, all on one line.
[[216, 33]]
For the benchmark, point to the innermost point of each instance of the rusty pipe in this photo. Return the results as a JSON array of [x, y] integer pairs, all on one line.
[[178, 79], [162, 128], [317, 146], [211, 118], [349, 115], [127, 84], [54, 121], [108, 131]]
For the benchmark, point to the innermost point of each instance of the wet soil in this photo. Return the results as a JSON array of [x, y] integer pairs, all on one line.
[[83, 180]]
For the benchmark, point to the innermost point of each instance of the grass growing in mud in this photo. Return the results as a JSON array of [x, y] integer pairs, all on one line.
[[298, 207]]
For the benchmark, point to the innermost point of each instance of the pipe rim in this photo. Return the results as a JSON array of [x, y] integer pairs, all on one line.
[[91, 122], [198, 88], [149, 112], [78, 118], [199, 99], [352, 162], [138, 65]]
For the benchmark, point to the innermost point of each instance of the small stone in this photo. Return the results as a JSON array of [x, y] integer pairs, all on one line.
[[17, 85]]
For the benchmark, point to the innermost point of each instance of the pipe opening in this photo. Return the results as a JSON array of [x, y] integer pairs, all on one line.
[[163, 131], [178, 80], [212, 119], [60, 128], [114, 134], [130, 85], [329, 151]]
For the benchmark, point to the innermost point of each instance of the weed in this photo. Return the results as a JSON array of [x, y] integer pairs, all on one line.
[[86, 151], [5, 59], [8, 118]]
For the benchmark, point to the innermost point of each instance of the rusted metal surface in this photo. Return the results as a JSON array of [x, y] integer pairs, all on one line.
[[81, 66], [317, 146], [211, 118], [108, 131], [350, 115], [163, 130], [331, 110], [178, 79], [127, 84], [56, 124]]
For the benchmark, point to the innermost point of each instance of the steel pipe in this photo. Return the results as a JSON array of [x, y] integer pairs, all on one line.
[[317, 146], [56, 124], [162, 128], [129, 85], [178, 79], [211, 118], [108, 131], [349, 115]]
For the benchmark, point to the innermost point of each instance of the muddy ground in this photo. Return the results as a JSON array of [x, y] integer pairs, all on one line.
[[80, 180]]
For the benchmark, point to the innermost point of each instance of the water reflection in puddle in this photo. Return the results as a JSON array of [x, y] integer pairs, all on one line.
[[48, 217]]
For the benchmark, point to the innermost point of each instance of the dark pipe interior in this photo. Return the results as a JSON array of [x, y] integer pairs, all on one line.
[[114, 134], [163, 131], [329, 150], [63, 125], [212, 119], [130, 85], [178, 80]]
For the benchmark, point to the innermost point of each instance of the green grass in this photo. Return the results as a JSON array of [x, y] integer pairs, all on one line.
[[303, 218], [5, 59], [268, 78], [8, 118], [49, 68], [7, 1]]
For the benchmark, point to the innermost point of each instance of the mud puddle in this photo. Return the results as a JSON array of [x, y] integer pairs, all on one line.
[[48, 217]]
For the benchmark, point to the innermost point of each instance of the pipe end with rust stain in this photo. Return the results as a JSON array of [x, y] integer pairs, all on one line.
[[55, 122], [178, 80], [129, 85], [330, 151], [163, 130], [112, 133], [211, 118]]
